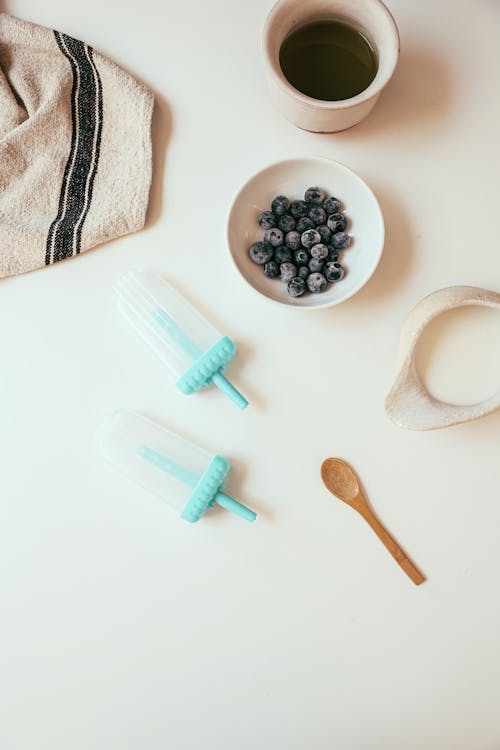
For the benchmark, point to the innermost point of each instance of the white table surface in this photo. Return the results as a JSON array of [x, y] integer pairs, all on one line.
[[123, 627]]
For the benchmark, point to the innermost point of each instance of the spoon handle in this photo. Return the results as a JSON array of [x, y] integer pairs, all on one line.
[[390, 543]]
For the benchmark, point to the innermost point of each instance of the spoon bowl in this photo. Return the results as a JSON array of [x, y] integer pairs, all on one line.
[[340, 479]]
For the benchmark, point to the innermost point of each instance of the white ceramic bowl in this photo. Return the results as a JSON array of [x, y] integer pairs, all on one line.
[[292, 178]]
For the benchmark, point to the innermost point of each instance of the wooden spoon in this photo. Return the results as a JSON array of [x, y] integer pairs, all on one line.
[[341, 481]]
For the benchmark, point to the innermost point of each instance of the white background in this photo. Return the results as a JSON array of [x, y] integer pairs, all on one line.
[[121, 626]]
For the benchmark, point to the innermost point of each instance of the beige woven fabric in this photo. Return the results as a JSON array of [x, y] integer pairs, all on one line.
[[75, 147]]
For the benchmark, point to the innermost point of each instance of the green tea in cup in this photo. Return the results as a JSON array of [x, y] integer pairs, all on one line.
[[328, 60]]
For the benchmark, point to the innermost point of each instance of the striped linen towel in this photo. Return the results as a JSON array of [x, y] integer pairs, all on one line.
[[75, 147]]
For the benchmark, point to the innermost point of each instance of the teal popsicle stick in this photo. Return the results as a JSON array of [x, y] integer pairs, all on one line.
[[173, 330], [189, 478], [168, 466], [228, 388], [229, 503], [170, 326]]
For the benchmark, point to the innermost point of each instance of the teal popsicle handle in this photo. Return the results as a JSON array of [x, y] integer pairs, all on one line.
[[229, 503], [186, 477], [228, 388], [170, 326]]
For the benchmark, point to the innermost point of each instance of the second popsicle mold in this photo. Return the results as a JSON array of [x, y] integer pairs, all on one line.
[[187, 477]]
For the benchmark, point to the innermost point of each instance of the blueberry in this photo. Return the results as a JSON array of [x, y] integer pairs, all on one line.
[[296, 286], [282, 254], [331, 205], [298, 209], [302, 257], [280, 205], [287, 271], [303, 224], [325, 233], [286, 223], [340, 240], [337, 222], [314, 195], [292, 240], [316, 283], [333, 271], [333, 255], [317, 215], [342, 221], [267, 220], [319, 251], [315, 265], [271, 270], [275, 237], [260, 252], [310, 237], [303, 272]]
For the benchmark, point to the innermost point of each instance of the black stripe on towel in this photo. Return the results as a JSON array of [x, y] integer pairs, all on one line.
[[65, 233]]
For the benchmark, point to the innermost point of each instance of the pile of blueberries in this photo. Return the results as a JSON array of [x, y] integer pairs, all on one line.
[[302, 241]]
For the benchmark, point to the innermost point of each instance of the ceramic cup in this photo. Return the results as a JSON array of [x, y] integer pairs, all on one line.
[[371, 17]]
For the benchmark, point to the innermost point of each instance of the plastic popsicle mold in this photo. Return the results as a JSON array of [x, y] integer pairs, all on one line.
[[193, 350], [187, 477]]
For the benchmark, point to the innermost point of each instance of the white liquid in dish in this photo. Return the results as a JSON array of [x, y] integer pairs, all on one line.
[[458, 355]]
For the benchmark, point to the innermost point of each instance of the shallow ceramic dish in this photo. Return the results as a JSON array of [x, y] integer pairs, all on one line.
[[292, 178]]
